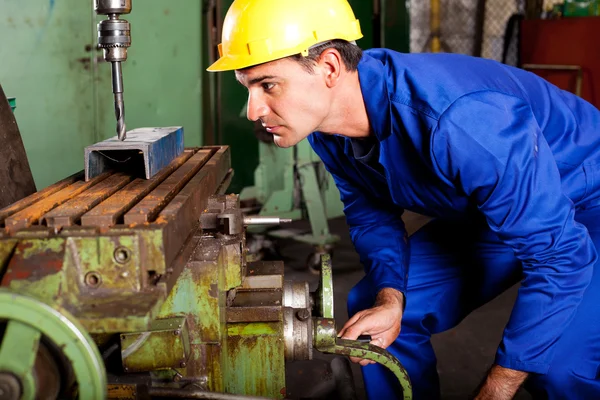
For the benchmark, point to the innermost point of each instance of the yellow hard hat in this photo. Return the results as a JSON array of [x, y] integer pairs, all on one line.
[[259, 31]]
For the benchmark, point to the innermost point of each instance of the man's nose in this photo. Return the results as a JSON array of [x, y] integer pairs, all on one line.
[[257, 108]]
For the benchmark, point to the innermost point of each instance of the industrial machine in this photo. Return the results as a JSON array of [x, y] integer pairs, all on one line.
[[125, 287]]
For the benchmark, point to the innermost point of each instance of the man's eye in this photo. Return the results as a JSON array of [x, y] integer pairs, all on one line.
[[268, 86]]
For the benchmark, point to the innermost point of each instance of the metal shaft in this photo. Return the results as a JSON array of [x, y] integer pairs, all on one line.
[[265, 220], [117, 84]]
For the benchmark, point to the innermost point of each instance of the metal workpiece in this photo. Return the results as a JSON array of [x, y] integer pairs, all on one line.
[[146, 152]]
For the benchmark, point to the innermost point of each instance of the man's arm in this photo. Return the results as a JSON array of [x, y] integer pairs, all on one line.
[[500, 384], [489, 146], [379, 237]]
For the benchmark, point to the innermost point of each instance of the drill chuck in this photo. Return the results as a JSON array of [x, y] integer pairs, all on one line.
[[106, 7], [114, 37]]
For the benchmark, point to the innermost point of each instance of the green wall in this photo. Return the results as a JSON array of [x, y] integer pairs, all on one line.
[[63, 86]]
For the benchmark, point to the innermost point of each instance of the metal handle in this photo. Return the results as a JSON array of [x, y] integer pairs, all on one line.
[[325, 337], [326, 341]]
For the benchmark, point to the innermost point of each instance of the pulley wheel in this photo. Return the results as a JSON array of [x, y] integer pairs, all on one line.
[[38, 340]]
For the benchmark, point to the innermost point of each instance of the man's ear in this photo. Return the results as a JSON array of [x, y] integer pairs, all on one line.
[[331, 65]]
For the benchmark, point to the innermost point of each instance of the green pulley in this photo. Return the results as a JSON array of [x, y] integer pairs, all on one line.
[[46, 349]]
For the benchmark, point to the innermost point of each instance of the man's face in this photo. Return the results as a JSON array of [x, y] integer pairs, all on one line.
[[290, 102]]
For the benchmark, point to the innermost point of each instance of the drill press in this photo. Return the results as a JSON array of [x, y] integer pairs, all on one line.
[[114, 37]]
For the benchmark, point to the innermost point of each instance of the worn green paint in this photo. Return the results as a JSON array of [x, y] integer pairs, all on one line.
[[34, 247], [166, 345], [254, 361], [192, 296], [18, 353], [152, 242], [230, 261], [324, 296], [97, 254], [62, 330], [47, 289], [254, 329]]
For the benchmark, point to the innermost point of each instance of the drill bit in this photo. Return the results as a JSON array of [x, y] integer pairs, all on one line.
[[117, 82]]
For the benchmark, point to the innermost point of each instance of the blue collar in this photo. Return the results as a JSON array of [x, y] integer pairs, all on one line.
[[371, 75]]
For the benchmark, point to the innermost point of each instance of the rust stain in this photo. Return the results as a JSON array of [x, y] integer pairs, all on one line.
[[214, 291], [34, 267]]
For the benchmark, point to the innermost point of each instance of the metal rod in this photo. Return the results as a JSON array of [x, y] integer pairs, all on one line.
[[266, 220], [198, 394]]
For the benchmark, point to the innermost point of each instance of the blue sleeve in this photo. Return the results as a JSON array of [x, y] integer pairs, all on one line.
[[490, 146], [377, 233]]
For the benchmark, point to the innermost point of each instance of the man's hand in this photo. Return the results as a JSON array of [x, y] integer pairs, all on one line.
[[382, 321], [501, 384]]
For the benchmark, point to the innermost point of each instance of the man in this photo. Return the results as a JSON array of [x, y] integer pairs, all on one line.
[[507, 164]]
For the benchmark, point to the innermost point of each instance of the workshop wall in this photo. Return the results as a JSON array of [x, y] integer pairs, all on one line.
[[63, 86]]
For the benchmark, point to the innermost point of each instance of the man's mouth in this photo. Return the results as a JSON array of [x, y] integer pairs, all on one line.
[[272, 128]]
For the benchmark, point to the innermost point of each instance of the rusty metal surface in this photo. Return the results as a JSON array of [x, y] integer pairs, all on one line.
[[148, 208], [182, 214], [15, 174], [112, 210], [254, 314], [70, 212], [84, 274], [117, 199], [42, 194], [34, 212]]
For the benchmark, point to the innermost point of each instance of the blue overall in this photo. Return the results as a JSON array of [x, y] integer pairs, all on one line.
[[509, 167]]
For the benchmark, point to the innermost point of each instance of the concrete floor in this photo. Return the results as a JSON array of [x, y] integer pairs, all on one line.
[[464, 353]]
